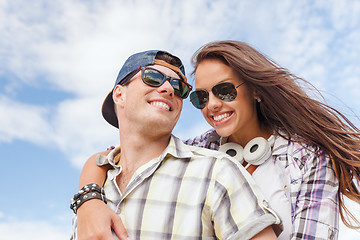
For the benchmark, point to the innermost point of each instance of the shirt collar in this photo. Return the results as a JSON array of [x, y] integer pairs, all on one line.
[[175, 148], [280, 146]]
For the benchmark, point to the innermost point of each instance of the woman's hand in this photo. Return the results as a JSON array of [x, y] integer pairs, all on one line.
[[95, 221]]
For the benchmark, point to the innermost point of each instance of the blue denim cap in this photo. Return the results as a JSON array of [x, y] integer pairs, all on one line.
[[133, 63]]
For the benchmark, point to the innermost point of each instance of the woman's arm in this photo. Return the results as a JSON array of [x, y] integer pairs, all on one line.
[[95, 220], [317, 208], [92, 173]]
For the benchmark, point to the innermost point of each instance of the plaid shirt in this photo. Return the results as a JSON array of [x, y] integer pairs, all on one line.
[[188, 193], [312, 183]]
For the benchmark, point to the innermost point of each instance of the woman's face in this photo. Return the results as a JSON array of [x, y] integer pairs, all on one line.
[[237, 118]]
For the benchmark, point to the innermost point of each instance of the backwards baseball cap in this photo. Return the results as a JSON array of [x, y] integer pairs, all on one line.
[[133, 63]]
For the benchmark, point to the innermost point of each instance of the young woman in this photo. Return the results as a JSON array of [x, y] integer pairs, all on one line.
[[314, 157]]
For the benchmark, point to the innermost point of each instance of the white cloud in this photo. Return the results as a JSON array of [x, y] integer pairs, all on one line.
[[80, 46], [32, 230], [13, 228], [23, 121], [80, 130], [345, 14]]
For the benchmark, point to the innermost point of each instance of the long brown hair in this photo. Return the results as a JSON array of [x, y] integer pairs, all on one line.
[[287, 109]]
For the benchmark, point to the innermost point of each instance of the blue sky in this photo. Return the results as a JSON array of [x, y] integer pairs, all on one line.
[[59, 58]]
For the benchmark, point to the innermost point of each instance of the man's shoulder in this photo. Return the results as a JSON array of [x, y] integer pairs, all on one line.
[[201, 152], [195, 149], [220, 159], [205, 152]]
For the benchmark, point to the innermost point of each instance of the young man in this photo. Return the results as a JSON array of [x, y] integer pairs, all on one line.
[[160, 187]]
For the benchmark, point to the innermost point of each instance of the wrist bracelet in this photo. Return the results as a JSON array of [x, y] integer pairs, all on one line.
[[90, 191], [85, 197], [89, 188]]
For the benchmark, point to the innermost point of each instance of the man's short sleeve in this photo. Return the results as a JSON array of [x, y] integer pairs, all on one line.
[[239, 210]]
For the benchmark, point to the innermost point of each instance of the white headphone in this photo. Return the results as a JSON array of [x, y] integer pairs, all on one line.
[[256, 152]]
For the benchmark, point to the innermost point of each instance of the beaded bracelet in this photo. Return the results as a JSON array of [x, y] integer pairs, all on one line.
[[90, 191]]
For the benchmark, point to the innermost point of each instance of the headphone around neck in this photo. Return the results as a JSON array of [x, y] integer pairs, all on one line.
[[256, 152]]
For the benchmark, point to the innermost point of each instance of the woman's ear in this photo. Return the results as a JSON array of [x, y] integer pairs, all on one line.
[[257, 96], [119, 95]]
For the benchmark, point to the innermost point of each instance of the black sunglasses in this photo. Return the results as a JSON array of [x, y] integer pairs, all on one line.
[[225, 91], [155, 78]]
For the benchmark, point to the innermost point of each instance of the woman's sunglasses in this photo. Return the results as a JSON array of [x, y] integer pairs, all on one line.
[[225, 91], [155, 78]]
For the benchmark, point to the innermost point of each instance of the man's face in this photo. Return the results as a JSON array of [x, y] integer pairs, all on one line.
[[153, 110]]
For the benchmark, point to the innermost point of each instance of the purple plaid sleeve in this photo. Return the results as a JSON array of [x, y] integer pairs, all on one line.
[[314, 200], [209, 140]]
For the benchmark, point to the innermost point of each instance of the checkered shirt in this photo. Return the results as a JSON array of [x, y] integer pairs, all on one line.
[[188, 193], [312, 183]]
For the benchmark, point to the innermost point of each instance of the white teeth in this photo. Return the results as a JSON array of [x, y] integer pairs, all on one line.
[[161, 104], [221, 117]]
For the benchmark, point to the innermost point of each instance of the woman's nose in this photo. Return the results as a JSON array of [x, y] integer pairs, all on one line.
[[214, 103]]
